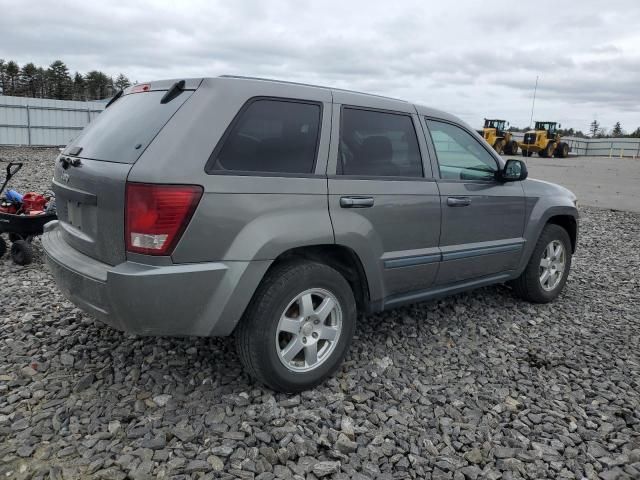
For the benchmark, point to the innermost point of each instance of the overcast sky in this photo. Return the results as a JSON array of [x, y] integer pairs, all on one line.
[[471, 58]]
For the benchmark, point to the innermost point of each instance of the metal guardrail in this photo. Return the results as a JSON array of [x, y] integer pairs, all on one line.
[[599, 147], [34, 107], [45, 127]]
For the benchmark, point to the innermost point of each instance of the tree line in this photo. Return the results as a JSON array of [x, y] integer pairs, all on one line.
[[56, 82], [598, 131]]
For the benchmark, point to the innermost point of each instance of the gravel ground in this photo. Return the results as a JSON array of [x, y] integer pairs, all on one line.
[[480, 385]]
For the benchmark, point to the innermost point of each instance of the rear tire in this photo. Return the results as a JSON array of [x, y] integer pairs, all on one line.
[[285, 316], [562, 151], [498, 146], [3, 247], [532, 285], [21, 252]]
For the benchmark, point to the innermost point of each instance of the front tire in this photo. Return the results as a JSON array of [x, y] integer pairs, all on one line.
[[298, 326], [548, 151], [3, 247], [546, 273]]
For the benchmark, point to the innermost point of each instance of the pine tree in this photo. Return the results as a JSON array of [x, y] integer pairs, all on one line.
[[121, 82], [11, 72], [29, 80], [98, 85], [79, 87], [2, 67], [594, 128], [59, 81], [42, 83], [617, 130]]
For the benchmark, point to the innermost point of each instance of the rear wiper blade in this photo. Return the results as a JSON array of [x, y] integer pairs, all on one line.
[[175, 90], [115, 97]]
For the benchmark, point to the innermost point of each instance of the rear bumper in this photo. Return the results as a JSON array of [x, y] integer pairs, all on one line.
[[198, 299]]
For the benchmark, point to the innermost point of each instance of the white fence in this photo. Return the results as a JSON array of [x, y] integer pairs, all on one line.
[[38, 121]]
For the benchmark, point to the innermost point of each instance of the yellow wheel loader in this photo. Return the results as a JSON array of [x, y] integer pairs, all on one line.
[[545, 140], [496, 135]]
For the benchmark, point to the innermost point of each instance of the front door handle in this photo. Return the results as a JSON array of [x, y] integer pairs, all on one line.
[[356, 202], [458, 201]]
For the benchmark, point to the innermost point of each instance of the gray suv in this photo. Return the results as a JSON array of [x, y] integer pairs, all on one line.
[[277, 212]]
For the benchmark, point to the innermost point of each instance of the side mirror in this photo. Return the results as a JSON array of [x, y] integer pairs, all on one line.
[[513, 171], [559, 125]]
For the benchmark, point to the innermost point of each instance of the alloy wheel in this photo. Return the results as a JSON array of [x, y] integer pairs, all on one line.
[[308, 330], [552, 265]]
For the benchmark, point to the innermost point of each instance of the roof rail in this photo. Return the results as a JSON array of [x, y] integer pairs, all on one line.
[[311, 85]]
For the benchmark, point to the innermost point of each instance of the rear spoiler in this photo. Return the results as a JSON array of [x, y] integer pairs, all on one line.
[[163, 85], [172, 87]]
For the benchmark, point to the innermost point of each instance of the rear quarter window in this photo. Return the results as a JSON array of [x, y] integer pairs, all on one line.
[[270, 136], [124, 130]]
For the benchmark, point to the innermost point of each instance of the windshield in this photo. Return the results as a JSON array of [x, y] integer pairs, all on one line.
[[124, 130], [497, 124], [545, 126]]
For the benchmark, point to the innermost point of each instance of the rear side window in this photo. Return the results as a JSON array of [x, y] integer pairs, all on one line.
[[378, 144], [270, 136], [124, 130]]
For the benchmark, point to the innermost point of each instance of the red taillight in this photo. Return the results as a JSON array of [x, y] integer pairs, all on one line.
[[142, 87], [157, 215]]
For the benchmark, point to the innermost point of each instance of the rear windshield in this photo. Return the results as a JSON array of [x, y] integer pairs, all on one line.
[[124, 130]]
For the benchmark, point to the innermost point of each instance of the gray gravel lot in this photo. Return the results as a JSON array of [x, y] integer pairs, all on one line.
[[479, 385]]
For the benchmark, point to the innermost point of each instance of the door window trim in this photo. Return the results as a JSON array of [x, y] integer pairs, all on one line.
[[431, 143], [337, 176], [208, 167]]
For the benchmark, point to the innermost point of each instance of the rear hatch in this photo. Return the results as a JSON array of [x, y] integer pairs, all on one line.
[[91, 173]]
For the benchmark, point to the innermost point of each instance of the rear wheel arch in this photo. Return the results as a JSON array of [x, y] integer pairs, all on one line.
[[341, 258]]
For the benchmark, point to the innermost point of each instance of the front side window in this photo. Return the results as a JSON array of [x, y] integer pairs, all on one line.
[[460, 155], [271, 136], [378, 144]]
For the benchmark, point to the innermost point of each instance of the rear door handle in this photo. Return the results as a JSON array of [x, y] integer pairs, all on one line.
[[356, 202], [458, 201]]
